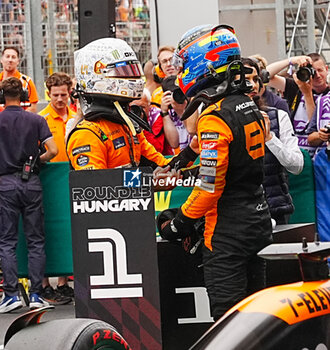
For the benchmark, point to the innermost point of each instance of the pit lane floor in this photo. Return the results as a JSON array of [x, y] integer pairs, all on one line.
[[60, 312]]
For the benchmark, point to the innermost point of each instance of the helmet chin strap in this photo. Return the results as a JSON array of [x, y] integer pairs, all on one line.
[[125, 117]]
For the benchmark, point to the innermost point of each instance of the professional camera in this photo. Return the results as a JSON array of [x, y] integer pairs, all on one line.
[[168, 84], [305, 73]]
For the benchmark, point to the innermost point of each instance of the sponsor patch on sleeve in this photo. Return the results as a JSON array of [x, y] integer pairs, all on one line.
[[81, 149], [208, 179], [207, 187], [119, 142], [82, 160], [209, 145], [209, 162], [209, 135], [208, 171], [206, 153]]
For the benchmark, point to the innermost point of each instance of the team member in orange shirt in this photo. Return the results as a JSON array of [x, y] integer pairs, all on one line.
[[10, 62], [57, 112]]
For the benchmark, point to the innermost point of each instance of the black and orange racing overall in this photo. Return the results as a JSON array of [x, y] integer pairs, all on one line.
[[103, 144], [238, 225]]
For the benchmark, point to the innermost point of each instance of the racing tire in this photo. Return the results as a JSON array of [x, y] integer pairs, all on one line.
[[68, 334]]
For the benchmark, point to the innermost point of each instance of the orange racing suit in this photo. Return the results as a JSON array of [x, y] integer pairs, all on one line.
[[231, 197], [103, 144]]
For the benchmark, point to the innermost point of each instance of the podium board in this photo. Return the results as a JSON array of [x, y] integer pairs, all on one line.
[[115, 252], [185, 308], [152, 292]]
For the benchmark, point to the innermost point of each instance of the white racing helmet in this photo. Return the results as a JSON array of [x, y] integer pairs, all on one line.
[[108, 67]]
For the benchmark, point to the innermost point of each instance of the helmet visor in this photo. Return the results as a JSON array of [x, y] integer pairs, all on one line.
[[177, 62], [125, 69]]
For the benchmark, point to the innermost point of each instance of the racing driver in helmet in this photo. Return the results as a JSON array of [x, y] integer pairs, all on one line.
[[231, 142], [109, 77]]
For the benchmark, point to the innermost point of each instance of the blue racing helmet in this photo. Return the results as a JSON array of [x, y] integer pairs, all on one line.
[[203, 56]]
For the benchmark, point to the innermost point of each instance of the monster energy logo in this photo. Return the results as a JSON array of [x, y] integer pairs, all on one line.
[[115, 54]]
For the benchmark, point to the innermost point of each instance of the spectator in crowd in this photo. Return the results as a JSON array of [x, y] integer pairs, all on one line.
[[62, 10], [10, 62], [73, 104], [7, 14], [282, 153], [299, 94], [140, 9], [57, 113], [231, 196], [164, 69], [124, 11], [170, 107], [164, 136], [15, 38], [318, 130], [271, 99], [21, 193], [164, 100], [44, 10], [152, 79], [18, 7]]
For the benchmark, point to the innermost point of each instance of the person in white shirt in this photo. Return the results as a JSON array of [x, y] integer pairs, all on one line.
[[282, 151]]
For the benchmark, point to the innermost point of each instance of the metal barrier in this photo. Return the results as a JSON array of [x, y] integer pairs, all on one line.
[[60, 34]]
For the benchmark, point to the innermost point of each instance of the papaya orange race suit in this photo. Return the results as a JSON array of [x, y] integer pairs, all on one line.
[[231, 197], [103, 144]]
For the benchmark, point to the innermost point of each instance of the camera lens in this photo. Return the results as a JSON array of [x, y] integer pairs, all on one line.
[[178, 96], [304, 73]]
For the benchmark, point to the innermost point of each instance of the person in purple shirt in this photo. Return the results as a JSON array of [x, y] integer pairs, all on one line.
[[319, 126]]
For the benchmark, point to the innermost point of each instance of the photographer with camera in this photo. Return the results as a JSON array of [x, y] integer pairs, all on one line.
[[318, 130], [170, 108], [163, 135], [173, 104], [21, 135], [301, 90]]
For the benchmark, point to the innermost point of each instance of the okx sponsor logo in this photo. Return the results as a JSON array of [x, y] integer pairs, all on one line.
[[132, 178]]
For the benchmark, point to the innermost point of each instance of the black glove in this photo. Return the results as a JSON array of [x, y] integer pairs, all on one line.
[[182, 159], [172, 224], [163, 219]]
